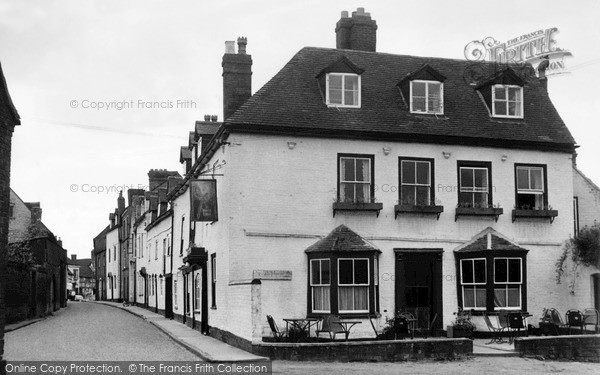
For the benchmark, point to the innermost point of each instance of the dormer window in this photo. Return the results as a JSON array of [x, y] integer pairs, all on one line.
[[507, 101], [343, 90], [426, 97]]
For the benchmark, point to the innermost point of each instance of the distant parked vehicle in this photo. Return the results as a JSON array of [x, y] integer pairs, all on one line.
[[79, 298]]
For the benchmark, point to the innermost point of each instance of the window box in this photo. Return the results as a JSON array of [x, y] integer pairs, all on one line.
[[478, 211], [357, 206], [418, 209], [542, 214]]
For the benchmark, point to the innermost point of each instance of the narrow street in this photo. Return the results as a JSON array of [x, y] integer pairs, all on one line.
[[93, 332]]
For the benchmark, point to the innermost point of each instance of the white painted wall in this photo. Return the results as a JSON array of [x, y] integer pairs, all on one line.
[[274, 202], [112, 264]]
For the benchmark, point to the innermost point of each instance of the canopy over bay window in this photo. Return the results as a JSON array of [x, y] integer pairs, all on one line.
[[343, 275]]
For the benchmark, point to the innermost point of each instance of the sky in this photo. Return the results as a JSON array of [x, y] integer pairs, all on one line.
[[63, 59]]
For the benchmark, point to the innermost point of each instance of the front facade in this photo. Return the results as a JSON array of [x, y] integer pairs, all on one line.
[[361, 184], [99, 258], [449, 194], [113, 261], [37, 266]]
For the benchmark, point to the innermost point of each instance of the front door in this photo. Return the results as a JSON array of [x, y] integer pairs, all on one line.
[[168, 297], [419, 285]]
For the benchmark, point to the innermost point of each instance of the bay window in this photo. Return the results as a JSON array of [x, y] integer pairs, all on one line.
[[345, 285]]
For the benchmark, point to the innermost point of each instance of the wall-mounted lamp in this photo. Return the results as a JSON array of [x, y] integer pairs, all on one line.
[[386, 150], [504, 157], [446, 154], [291, 145]]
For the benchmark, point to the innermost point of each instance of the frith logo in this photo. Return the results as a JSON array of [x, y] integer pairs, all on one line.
[[532, 48]]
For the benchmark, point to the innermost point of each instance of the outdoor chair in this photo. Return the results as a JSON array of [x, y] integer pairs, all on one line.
[[503, 319], [496, 330], [551, 322], [331, 325], [277, 334], [516, 322], [574, 318], [378, 333], [428, 330], [591, 316]]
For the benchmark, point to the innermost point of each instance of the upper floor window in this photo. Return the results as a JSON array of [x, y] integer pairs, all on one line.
[[507, 101], [474, 184], [531, 187], [426, 97], [343, 90], [355, 178], [416, 187]]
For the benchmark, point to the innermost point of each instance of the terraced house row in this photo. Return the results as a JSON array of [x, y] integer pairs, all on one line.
[[358, 183]]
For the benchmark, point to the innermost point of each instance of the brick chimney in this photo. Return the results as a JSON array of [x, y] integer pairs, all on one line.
[[358, 32], [121, 202], [36, 211], [237, 77], [159, 177], [73, 256], [542, 66]]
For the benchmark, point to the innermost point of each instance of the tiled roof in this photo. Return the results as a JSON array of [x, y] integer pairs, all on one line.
[[8, 112], [293, 102], [341, 239], [480, 242], [84, 266]]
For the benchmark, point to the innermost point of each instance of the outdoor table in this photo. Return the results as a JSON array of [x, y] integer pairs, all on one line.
[[302, 324], [348, 324]]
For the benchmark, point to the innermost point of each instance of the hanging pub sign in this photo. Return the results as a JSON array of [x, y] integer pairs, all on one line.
[[203, 195]]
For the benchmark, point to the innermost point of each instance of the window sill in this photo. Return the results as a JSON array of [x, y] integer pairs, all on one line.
[[536, 214], [472, 211], [349, 206], [361, 315], [415, 209]]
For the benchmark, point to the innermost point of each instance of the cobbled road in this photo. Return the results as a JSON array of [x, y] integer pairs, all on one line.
[[93, 332]]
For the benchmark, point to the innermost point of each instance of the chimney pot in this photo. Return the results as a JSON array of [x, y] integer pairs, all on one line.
[[206, 117], [230, 46], [242, 42], [360, 11], [344, 14], [214, 118], [73, 256]]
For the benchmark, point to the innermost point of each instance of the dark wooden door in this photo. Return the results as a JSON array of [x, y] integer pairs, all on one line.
[[169, 296]]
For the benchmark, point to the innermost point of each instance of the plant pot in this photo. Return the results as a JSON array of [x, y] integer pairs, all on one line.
[[459, 331]]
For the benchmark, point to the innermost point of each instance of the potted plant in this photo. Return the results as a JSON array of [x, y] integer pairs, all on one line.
[[396, 327], [462, 326]]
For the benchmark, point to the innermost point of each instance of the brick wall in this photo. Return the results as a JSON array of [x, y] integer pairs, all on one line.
[[578, 348], [5, 152]]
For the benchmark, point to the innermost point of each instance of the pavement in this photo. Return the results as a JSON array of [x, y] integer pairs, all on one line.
[[485, 348], [206, 347]]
